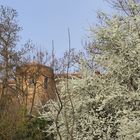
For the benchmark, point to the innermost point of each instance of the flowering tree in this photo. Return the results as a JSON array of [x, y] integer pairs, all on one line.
[[103, 106]]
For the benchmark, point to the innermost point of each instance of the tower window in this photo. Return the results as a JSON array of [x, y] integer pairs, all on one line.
[[46, 82], [31, 83]]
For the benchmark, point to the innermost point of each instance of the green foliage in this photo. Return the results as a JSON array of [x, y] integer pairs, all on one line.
[[31, 130], [18, 127]]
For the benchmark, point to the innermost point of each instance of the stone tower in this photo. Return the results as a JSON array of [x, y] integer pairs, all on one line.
[[36, 84]]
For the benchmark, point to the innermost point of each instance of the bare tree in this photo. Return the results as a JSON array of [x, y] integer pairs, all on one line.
[[9, 37]]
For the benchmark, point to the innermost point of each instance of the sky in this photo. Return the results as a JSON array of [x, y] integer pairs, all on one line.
[[45, 20]]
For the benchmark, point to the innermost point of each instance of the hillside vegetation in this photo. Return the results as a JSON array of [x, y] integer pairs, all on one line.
[[103, 103]]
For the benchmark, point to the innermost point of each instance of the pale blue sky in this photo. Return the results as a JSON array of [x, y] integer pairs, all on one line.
[[46, 20]]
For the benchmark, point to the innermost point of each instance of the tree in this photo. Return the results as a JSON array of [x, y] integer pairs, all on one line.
[[13, 123], [8, 40], [10, 58], [106, 106]]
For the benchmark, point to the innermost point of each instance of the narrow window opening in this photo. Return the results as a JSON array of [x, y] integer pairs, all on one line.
[[31, 83], [46, 82]]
